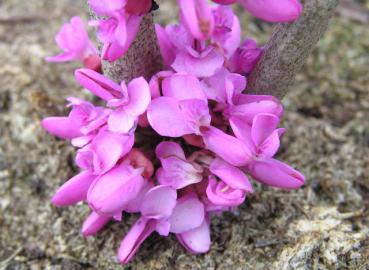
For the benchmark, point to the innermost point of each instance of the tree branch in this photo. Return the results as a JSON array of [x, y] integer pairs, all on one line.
[[288, 48]]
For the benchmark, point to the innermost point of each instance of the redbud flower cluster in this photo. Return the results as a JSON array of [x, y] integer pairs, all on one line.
[[178, 148]]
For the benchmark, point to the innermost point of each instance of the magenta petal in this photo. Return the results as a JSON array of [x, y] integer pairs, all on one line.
[[166, 117], [134, 238], [242, 131], [134, 205], [139, 96], [201, 66], [74, 190], [262, 127], [230, 175], [226, 146], [121, 122], [93, 224], [198, 239], [178, 173], [276, 174], [98, 84], [62, 127], [167, 149], [159, 202], [109, 194], [167, 49], [183, 86], [220, 194], [271, 144], [187, 214], [274, 11]]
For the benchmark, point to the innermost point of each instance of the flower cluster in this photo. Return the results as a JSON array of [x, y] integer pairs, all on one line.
[[180, 147]]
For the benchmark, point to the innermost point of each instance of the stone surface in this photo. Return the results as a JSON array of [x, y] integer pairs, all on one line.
[[324, 225]]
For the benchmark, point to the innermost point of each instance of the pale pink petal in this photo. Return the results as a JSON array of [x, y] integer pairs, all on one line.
[[232, 176], [187, 214], [167, 149], [106, 7], [167, 49], [262, 127], [159, 202], [166, 117], [183, 86], [134, 238], [225, 146], [139, 96], [198, 239], [202, 66], [120, 121], [220, 194]]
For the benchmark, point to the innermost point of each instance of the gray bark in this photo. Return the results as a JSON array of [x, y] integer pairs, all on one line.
[[288, 48]]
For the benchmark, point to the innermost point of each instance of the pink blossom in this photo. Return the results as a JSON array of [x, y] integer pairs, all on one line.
[[93, 224], [273, 11], [196, 15], [245, 57], [73, 40], [105, 193]]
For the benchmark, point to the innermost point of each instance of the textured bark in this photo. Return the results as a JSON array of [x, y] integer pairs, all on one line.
[[288, 48]]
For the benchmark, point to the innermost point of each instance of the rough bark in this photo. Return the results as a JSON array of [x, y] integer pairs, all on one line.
[[288, 48]]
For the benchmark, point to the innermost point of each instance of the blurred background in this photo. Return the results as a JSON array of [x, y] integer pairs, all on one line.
[[323, 225]]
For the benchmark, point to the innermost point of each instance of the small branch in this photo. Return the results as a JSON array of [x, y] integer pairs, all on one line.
[[288, 48]]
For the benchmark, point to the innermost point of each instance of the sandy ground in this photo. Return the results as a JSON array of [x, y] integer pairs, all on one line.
[[324, 225]]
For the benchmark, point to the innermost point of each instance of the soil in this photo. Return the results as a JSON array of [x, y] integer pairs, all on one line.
[[323, 225]]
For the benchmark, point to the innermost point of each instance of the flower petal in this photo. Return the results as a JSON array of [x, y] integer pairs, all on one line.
[[93, 224], [74, 190], [188, 214], [159, 202]]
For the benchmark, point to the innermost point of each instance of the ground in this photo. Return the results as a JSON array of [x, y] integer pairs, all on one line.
[[323, 225]]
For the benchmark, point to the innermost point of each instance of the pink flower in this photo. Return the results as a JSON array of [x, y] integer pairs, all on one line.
[[157, 205], [263, 138], [104, 151], [105, 195], [83, 120], [118, 31], [93, 224], [245, 58], [74, 190], [273, 11], [176, 170], [130, 101], [73, 40], [196, 15]]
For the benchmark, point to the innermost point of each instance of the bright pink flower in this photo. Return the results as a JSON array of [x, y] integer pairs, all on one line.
[[157, 205], [73, 40], [104, 151], [106, 7], [273, 11], [74, 190], [198, 239], [263, 138], [225, 2], [93, 224], [176, 171], [275, 173], [83, 120], [109, 194], [227, 31], [196, 15], [245, 58], [117, 32], [131, 101]]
